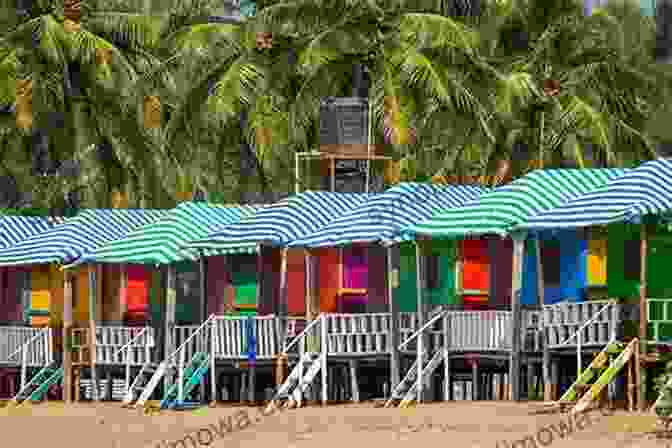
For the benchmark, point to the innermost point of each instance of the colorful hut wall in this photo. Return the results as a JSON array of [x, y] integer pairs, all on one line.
[[564, 256], [440, 275], [244, 287], [11, 300], [270, 261], [477, 273]]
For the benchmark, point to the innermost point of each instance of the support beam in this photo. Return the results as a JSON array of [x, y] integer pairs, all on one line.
[[171, 297], [203, 307], [516, 289], [93, 313], [475, 381], [67, 338], [420, 318], [392, 284], [643, 318], [555, 379], [354, 385]]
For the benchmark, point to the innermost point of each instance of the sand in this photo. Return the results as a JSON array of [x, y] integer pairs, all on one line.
[[457, 424]]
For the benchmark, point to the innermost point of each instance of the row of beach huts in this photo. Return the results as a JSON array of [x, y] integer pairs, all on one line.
[[554, 285]]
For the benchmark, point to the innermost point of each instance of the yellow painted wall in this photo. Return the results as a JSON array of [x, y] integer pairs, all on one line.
[[56, 278], [40, 296], [597, 262]]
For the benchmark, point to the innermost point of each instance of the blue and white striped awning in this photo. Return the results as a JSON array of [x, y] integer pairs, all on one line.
[[14, 229], [282, 222], [383, 217], [645, 190], [83, 233]]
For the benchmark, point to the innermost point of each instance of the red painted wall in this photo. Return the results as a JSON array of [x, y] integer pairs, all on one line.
[[328, 279], [296, 282]]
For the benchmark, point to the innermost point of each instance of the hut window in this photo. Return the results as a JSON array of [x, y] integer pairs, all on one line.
[[433, 271], [550, 262], [631, 260]]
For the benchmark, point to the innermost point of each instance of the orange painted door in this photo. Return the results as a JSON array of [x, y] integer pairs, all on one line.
[[328, 279], [475, 274]]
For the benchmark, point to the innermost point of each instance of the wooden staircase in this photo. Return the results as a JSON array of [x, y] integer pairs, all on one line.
[[297, 382], [405, 393], [592, 381]]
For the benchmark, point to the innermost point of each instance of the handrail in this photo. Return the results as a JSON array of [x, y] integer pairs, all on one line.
[[592, 319], [128, 344], [300, 335], [415, 335], [212, 317], [30, 341]]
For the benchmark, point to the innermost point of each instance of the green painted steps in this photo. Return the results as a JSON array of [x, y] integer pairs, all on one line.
[[193, 375], [38, 386]]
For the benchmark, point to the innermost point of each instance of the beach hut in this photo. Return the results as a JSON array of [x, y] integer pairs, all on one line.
[[179, 318], [638, 197], [371, 234], [70, 297], [282, 272], [18, 311], [495, 214]]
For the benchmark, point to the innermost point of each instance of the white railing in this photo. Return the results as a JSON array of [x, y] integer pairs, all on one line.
[[114, 345], [231, 341], [32, 345], [357, 334], [595, 321], [480, 330], [578, 337]]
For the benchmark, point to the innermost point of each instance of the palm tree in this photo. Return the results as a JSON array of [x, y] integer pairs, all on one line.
[[73, 65], [561, 83]]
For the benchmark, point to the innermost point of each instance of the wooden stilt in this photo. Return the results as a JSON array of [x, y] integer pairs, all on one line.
[[447, 384], [354, 386], [243, 387], [546, 367], [251, 386], [78, 383], [630, 379], [529, 373], [474, 381], [555, 379]]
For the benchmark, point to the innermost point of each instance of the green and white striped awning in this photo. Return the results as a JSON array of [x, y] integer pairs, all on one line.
[[162, 242], [495, 213]]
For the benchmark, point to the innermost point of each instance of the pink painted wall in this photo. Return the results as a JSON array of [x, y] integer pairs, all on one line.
[[10, 294], [218, 285], [355, 275]]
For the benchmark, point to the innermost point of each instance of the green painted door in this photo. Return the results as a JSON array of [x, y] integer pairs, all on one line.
[[441, 281], [244, 280]]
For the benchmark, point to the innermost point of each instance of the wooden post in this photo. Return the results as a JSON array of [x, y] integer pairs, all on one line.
[[643, 319], [67, 338], [251, 380], [420, 318], [475, 389], [203, 309], [333, 173], [171, 297], [630, 377], [516, 288], [529, 377], [392, 283], [540, 273], [555, 379], [123, 306], [446, 358], [93, 313]]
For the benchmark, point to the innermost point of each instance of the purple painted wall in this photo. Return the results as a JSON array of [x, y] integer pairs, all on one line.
[[355, 276], [218, 282]]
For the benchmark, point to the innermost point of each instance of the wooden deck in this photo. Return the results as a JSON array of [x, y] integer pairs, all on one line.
[[17, 343]]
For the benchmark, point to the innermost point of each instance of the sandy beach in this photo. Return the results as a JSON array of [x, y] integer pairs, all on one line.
[[459, 423]]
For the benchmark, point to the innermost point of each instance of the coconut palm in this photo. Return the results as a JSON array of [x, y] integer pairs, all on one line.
[[394, 40], [561, 84], [72, 64]]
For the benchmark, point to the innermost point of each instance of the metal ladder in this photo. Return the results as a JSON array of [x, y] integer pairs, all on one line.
[[294, 386], [38, 386]]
